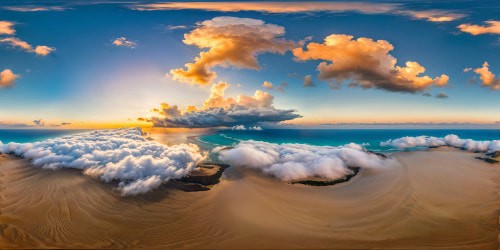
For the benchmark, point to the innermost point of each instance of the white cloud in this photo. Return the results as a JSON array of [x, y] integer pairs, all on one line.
[[290, 162], [242, 127], [113, 155], [449, 140], [124, 42]]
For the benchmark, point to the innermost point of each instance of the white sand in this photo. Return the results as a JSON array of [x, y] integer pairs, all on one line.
[[443, 198]]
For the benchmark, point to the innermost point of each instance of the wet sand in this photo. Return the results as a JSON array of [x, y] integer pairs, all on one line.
[[437, 199]]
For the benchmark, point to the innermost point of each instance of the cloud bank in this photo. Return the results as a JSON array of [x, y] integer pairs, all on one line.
[[7, 78], [490, 27], [121, 155], [219, 111], [449, 140], [292, 162], [229, 42], [367, 64]]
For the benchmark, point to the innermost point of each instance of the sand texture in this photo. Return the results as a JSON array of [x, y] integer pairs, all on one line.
[[437, 199]]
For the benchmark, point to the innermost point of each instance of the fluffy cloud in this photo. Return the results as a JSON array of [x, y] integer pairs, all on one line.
[[230, 42], [7, 28], [491, 27], [268, 85], [221, 111], [488, 79], [308, 82], [242, 127], [123, 42], [113, 155], [291, 162], [16, 42], [449, 140], [367, 63], [7, 78]]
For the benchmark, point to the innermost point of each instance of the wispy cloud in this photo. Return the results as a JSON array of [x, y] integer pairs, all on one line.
[[34, 8], [490, 27], [41, 50]]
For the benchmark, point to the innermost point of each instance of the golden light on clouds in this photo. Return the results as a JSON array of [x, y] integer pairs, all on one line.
[[7, 78], [7, 28], [490, 27]]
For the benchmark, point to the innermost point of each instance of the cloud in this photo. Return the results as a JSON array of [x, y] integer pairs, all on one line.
[[229, 42], [123, 42], [305, 7], [121, 155], [442, 95], [176, 27], [308, 82], [34, 8], [490, 27], [7, 28], [281, 87], [242, 127], [39, 122], [219, 111], [433, 15], [39, 50], [268, 85], [449, 140], [488, 79], [367, 63], [292, 162], [7, 78]]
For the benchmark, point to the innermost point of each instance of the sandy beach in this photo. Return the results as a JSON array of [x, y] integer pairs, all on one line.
[[438, 199]]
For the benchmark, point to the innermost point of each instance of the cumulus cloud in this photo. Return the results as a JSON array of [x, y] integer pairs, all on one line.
[[367, 64], [124, 42], [292, 162], [7, 78], [229, 42], [488, 79], [268, 85], [242, 127], [41, 50], [121, 155], [490, 27], [449, 140], [221, 111], [308, 82], [7, 28]]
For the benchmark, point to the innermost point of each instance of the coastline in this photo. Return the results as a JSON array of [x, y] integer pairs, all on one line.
[[439, 198]]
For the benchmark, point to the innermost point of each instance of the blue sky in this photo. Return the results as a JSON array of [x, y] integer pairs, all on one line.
[[88, 81]]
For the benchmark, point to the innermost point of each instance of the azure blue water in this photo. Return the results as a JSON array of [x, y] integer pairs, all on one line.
[[369, 138], [33, 135]]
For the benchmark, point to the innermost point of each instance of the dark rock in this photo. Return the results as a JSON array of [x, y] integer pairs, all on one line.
[[488, 160], [205, 174], [495, 154], [323, 182]]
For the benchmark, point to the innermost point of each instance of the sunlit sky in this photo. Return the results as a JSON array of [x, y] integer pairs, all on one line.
[[108, 64]]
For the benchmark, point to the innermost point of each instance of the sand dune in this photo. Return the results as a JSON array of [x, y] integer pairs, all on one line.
[[443, 198]]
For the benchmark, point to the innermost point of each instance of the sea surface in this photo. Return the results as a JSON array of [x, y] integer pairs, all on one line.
[[369, 138]]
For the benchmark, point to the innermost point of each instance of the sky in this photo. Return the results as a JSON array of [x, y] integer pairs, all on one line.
[[84, 64]]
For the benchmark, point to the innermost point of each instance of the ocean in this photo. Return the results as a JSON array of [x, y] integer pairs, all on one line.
[[369, 138]]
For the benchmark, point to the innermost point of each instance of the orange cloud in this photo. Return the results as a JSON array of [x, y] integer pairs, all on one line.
[[433, 15], [123, 42], [488, 79], [367, 63], [33, 8], [6, 28], [231, 42], [16, 42], [491, 27], [7, 78], [268, 85], [221, 111]]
